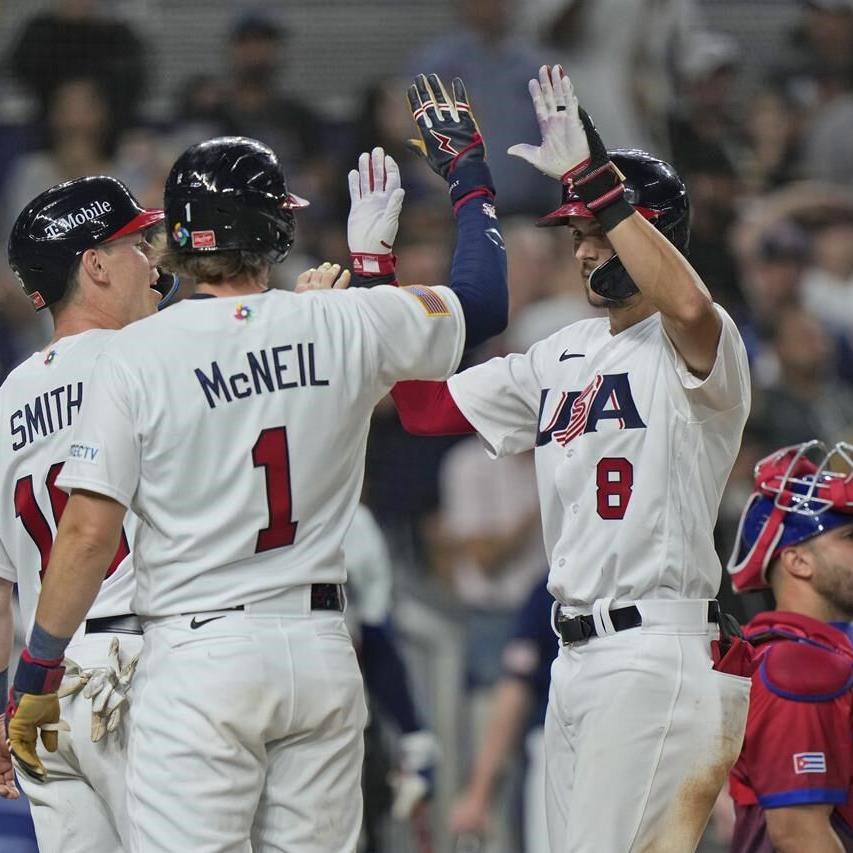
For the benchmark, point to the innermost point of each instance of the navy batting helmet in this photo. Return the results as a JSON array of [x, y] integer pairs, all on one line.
[[230, 193], [56, 227], [656, 191], [796, 498]]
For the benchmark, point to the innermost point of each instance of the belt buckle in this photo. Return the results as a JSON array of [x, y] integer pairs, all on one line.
[[578, 626]]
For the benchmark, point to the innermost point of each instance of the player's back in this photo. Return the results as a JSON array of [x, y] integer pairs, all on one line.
[[251, 416], [39, 403]]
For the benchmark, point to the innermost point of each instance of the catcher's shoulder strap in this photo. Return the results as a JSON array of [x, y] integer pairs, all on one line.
[[801, 669]]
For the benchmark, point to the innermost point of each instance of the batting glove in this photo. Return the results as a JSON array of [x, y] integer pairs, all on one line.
[[413, 782], [571, 149], [33, 710], [376, 200], [107, 688], [450, 141]]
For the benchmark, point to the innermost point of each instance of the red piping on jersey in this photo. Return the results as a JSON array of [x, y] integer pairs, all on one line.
[[427, 408]]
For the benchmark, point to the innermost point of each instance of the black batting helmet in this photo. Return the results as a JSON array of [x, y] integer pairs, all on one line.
[[656, 191], [56, 227], [230, 193]]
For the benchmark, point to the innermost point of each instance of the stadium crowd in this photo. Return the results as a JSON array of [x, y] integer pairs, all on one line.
[[768, 163]]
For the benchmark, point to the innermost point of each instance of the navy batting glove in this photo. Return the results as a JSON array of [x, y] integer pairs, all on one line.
[[450, 141]]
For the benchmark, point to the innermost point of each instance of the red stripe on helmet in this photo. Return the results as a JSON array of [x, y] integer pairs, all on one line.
[[139, 223], [578, 208]]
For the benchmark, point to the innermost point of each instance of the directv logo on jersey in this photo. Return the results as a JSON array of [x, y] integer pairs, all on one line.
[[607, 397], [63, 224], [84, 453]]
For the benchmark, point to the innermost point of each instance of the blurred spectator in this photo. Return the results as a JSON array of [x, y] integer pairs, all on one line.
[[817, 62], [773, 276], [80, 38], [827, 154], [807, 401], [715, 191], [545, 288], [492, 532], [496, 65], [619, 56], [520, 703], [772, 126], [703, 120], [80, 137], [828, 283], [382, 117]]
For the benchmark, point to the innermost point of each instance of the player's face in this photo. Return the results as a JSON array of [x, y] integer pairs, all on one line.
[[833, 578], [592, 248], [132, 269]]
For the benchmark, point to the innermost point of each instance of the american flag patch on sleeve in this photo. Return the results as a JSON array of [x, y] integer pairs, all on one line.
[[809, 762], [431, 302]]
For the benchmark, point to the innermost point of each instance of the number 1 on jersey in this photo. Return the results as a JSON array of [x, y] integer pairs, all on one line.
[[271, 453]]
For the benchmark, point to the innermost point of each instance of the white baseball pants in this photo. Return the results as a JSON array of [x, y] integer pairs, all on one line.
[[247, 728], [640, 735], [81, 807]]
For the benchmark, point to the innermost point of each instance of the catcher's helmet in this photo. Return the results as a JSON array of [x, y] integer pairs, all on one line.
[[56, 227], [795, 499], [656, 191], [230, 193]]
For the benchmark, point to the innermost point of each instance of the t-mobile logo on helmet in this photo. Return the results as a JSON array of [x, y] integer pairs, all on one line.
[[63, 224]]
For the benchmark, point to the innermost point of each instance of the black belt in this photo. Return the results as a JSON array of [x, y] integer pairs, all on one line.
[[580, 628], [126, 624], [324, 596]]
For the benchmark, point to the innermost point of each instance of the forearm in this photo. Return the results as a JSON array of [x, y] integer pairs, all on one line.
[[85, 544], [823, 840], [660, 271], [511, 708], [806, 827], [478, 274]]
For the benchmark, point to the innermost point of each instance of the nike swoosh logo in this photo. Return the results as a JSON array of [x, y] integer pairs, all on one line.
[[567, 355], [197, 623]]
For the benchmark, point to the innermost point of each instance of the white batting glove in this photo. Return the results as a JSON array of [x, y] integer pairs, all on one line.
[[413, 782], [376, 199], [564, 142]]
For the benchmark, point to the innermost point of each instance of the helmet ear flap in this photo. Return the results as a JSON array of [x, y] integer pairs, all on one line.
[[748, 565]]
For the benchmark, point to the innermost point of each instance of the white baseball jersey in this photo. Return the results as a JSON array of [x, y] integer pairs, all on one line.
[[40, 402], [632, 453], [369, 571], [236, 429]]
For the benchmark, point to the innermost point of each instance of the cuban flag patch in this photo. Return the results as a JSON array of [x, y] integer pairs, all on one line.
[[809, 762], [431, 302]]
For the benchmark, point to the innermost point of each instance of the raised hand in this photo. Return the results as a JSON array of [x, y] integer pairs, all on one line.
[[376, 200], [449, 132], [564, 141]]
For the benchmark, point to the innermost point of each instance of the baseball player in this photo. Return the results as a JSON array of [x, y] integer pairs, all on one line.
[[635, 420], [793, 782], [235, 426], [519, 708], [80, 250], [369, 586]]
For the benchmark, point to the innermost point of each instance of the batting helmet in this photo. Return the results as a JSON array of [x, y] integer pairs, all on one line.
[[56, 227], [796, 498], [230, 193], [656, 191]]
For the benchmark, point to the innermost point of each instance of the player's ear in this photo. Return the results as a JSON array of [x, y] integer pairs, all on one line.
[[798, 562], [91, 263]]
